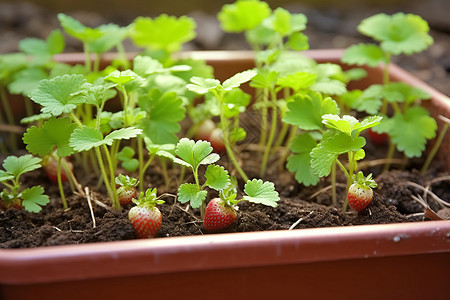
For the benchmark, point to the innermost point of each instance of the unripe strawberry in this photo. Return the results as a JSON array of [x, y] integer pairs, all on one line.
[[204, 129], [126, 194], [360, 193], [218, 215], [216, 140], [145, 217]]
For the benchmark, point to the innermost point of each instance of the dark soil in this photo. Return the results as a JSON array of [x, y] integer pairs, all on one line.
[[392, 203]]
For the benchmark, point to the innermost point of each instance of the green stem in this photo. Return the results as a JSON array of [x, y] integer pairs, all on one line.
[[123, 57], [389, 156], [97, 62], [386, 81], [273, 129], [60, 186], [164, 171], [125, 106], [279, 141], [226, 140], [103, 171], [333, 184], [87, 57], [435, 148], [9, 116], [292, 135], [75, 119], [115, 199], [264, 121], [142, 171]]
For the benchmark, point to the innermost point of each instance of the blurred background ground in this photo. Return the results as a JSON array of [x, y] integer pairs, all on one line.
[[331, 24]]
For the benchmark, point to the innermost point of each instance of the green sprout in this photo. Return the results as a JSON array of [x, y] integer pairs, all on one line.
[[411, 126], [219, 91], [13, 195]]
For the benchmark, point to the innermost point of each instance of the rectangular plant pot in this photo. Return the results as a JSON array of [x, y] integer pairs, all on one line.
[[401, 261]]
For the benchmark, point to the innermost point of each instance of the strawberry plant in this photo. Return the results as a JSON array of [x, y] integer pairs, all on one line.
[[343, 137], [14, 195], [409, 126], [220, 92], [145, 217], [221, 212], [193, 155]]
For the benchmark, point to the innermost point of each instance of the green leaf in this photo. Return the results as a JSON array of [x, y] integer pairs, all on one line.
[[265, 78], [238, 79], [164, 32], [78, 30], [322, 160], [33, 199], [111, 36], [329, 87], [235, 102], [4, 176], [237, 134], [285, 23], [364, 54], [54, 133], [122, 134], [195, 153], [126, 155], [35, 118], [56, 94], [202, 85], [349, 124], [261, 192], [189, 192], [121, 77], [398, 33], [298, 41], [217, 177], [26, 81], [243, 15], [86, 138], [410, 131], [42, 51], [306, 111], [300, 162], [16, 166], [161, 126], [297, 81]]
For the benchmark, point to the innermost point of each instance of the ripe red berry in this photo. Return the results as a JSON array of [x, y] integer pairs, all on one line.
[[218, 215], [377, 138], [360, 193], [146, 220], [145, 217]]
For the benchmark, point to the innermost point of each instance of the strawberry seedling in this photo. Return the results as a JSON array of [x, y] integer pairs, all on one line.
[[145, 217], [13, 195], [410, 126], [221, 212]]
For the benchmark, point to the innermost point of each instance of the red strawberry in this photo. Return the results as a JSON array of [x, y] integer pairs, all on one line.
[[377, 138], [51, 169], [204, 130], [145, 217], [218, 215], [360, 192], [216, 140], [127, 189]]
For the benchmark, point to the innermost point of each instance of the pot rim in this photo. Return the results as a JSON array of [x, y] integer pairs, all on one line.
[[234, 250]]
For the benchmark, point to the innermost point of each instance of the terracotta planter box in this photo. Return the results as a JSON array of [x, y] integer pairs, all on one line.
[[401, 261]]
